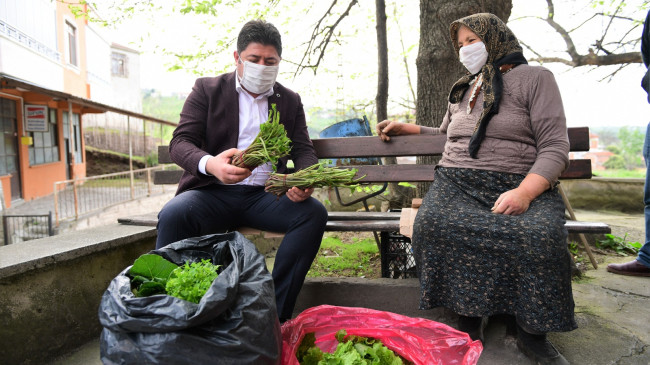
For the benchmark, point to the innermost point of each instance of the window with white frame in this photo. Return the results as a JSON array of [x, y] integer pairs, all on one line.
[[119, 64], [71, 43], [45, 147]]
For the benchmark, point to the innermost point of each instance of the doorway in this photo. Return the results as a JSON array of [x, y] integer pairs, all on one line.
[[9, 146]]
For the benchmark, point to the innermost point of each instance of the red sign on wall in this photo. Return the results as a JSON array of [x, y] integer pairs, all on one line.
[[36, 118]]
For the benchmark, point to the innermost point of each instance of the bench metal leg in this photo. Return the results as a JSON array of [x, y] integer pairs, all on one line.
[[585, 244]]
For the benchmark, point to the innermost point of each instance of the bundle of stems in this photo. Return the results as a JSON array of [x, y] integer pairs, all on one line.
[[314, 176], [270, 144]]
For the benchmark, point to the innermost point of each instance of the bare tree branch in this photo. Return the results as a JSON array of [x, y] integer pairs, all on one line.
[[406, 64], [324, 31], [592, 58]]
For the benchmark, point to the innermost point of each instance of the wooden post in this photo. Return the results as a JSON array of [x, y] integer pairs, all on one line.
[[585, 244], [128, 131], [72, 155]]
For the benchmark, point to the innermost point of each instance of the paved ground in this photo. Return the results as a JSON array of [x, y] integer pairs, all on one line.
[[612, 310]]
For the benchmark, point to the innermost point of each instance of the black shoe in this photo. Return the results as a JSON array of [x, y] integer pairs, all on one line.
[[473, 326], [539, 349]]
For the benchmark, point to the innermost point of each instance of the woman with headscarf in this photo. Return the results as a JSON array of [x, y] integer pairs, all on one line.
[[489, 237]]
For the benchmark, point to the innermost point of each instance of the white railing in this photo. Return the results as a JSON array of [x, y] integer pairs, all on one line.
[[74, 198]]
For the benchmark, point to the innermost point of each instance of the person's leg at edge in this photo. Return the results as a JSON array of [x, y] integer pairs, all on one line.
[[640, 266], [644, 252], [537, 347], [194, 213], [304, 225]]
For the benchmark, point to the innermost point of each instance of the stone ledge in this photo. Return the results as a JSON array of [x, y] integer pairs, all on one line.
[[31, 255], [50, 289]]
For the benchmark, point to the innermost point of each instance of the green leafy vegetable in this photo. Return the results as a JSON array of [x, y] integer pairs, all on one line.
[[314, 176], [270, 144], [149, 274], [351, 350], [191, 281]]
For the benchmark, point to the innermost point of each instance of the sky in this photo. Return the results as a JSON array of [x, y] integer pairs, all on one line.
[[588, 101]]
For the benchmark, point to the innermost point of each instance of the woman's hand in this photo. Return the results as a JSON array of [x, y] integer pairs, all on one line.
[[512, 202], [389, 127], [517, 201], [220, 167]]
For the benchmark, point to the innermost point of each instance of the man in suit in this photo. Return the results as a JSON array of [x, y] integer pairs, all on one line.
[[222, 116]]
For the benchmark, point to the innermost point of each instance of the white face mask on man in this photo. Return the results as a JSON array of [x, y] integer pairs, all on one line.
[[256, 78], [473, 56]]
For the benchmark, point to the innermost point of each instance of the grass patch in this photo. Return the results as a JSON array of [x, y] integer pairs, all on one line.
[[117, 154], [360, 258], [623, 174]]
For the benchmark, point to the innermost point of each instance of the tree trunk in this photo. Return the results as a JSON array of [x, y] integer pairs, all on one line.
[[382, 56], [437, 63]]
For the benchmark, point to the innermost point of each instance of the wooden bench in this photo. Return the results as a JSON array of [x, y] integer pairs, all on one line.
[[388, 223]]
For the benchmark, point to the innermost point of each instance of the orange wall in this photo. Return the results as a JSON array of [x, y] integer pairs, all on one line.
[[6, 189], [38, 180], [74, 78]]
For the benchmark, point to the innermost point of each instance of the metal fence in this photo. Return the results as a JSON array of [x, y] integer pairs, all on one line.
[[74, 198], [19, 228]]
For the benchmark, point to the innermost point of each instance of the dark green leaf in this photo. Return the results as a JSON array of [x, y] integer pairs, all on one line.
[[150, 288], [152, 266]]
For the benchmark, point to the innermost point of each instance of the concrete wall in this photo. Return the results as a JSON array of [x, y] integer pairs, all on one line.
[[601, 194], [50, 288]]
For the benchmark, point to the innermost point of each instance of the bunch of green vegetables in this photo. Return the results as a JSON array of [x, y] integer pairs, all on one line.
[[350, 350], [314, 176], [270, 144], [152, 274]]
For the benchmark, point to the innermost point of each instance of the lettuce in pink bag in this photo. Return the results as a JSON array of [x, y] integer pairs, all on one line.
[[418, 340]]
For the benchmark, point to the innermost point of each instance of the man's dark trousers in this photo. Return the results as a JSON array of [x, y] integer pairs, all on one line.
[[220, 208]]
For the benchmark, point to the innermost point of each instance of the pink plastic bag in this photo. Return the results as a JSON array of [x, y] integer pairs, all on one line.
[[419, 340]]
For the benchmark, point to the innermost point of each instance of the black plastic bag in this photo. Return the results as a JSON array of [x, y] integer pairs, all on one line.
[[235, 322]]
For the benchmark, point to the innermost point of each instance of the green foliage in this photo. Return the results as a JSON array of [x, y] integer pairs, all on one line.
[[152, 158], [352, 350], [191, 281], [613, 149], [149, 275], [573, 248], [316, 176], [615, 162], [619, 244], [368, 189], [119, 154], [618, 173], [631, 146], [270, 144], [162, 107], [336, 258], [152, 274]]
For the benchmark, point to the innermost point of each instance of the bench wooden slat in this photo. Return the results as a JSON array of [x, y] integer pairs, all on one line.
[[578, 139], [578, 169], [163, 155], [167, 177], [587, 227], [372, 222], [349, 216], [415, 145]]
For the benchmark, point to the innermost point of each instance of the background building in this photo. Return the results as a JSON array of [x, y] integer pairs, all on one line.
[[58, 73]]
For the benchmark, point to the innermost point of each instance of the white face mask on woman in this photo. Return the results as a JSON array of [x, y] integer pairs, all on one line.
[[258, 79], [473, 56]]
